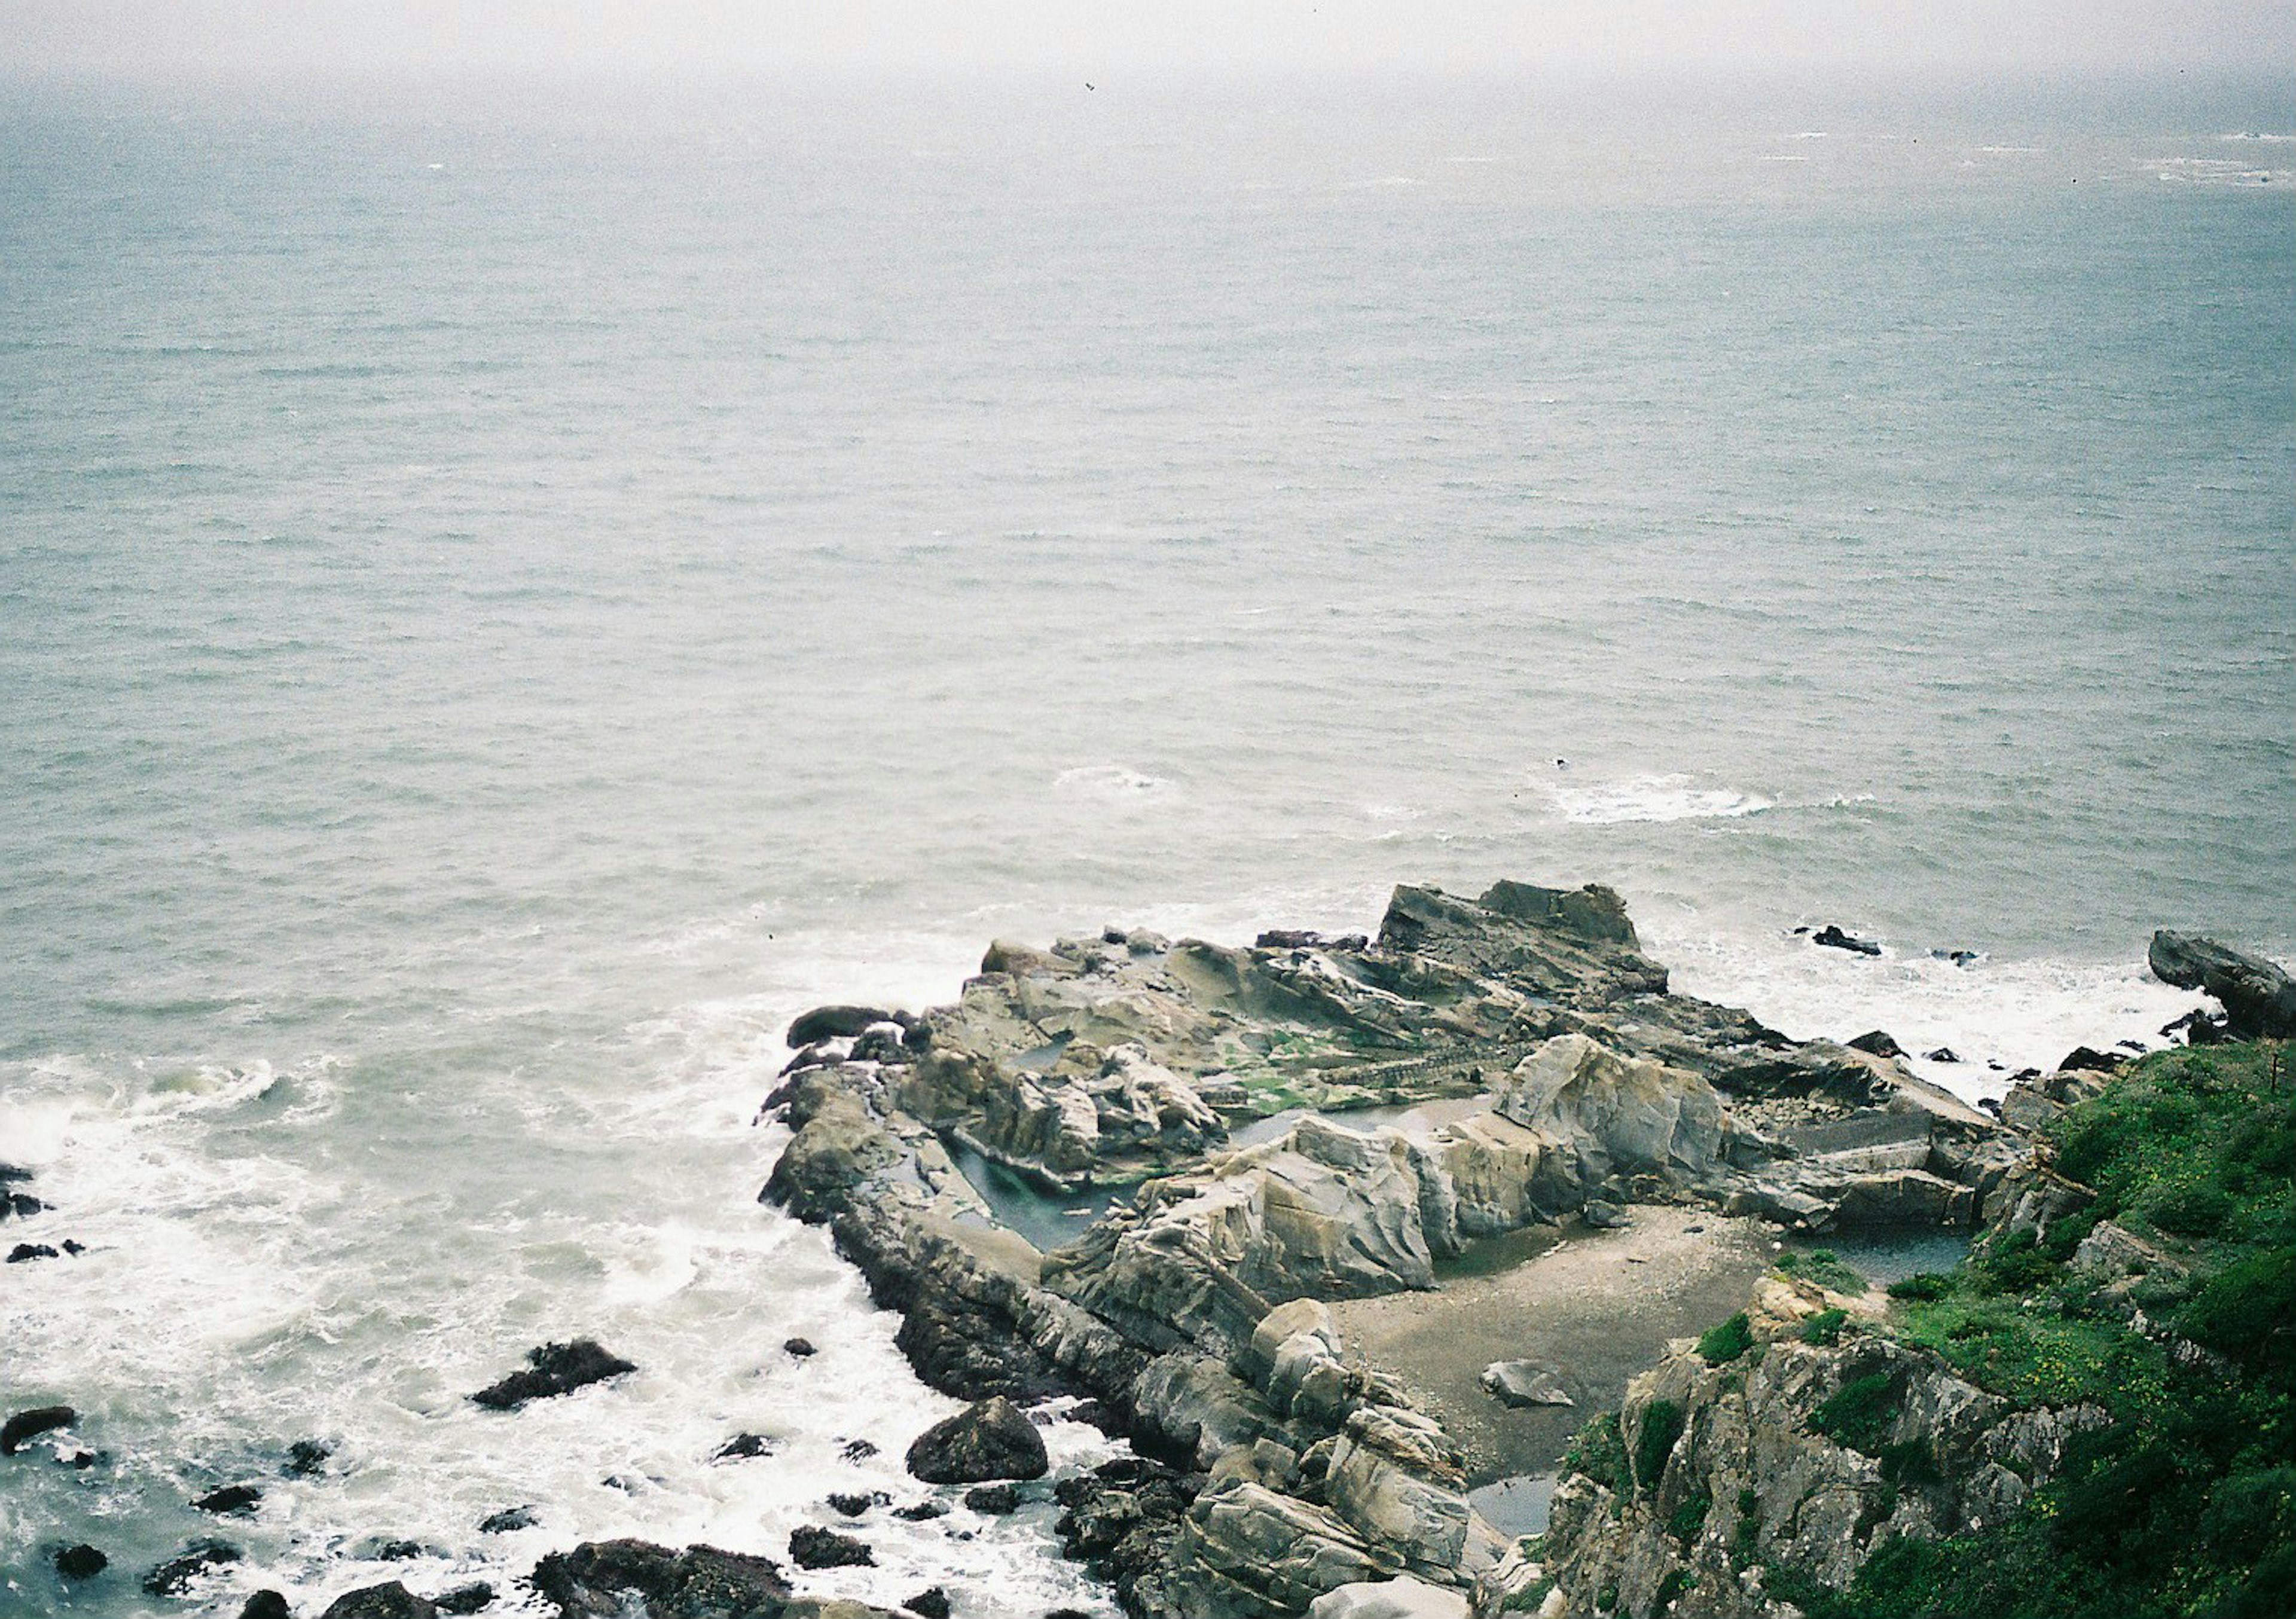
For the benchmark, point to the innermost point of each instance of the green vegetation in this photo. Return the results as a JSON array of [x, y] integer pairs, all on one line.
[[1824, 1327], [2183, 1504], [1662, 1421], [1600, 1452], [1826, 1268], [1861, 1414], [1733, 1338], [1686, 1520]]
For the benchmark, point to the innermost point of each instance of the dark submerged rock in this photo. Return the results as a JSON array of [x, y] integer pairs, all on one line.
[[508, 1519], [993, 1500], [233, 1500], [24, 1251], [389, 1600], [1944, 1053], [922, 1511], [743, 1447], [802, 1348], [23, 1205], [80, 1562], [266, 1605], [812, 1546], [931, 1603], [307, 1458], [1833, 937], [2082, 1059], [856, 1504], [174, 1577], [989, 1442], [554, 1368], [32, 1424], [471, 1598]]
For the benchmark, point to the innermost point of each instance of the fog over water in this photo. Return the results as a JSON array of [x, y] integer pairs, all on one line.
[[506, 597]]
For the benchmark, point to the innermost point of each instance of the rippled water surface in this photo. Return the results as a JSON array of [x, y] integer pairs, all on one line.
[[502, 603]]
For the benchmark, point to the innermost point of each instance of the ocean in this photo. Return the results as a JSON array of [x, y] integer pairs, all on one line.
[[508, 596]]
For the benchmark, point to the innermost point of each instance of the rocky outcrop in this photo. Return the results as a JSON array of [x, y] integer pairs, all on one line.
[[1189, 1312], [1809, 1455], [2259, 999]]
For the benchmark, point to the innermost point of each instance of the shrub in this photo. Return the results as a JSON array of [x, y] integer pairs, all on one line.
[[1663, 1423], [1824, 1327], [2248, 1310], [1729, 1341], [1909, 1462], [2187, 1208], [1600, 1452], [1686, 1520], [1922, 1286], [1861, 1414]]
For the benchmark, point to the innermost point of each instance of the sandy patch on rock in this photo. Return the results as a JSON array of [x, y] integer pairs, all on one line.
[[1597, 1306]]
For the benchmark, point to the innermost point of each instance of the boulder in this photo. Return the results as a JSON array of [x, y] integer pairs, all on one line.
[[233, 1500], [2259, 999], [266, 1605], [1877, 1043], [812, 1546], [554, 1369], [307, 1458], [390, 1600], [507, 1521], [608, 1579], [930, 1603], [31, 1424], [837, 1146], [1524, 1383], [475, 1598], [990, 1441]]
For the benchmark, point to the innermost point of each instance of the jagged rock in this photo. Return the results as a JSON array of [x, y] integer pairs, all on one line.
[[32, 1424], [836, 1146], [391, 1600], [1944, 1053], [80, 1562], [476, 1596], [743, 1447], [554, 1369], [1877, 1043], [1832, 935], [22, 1206], [307, 1458], [507, 1521], [991, 1441], [1523, 1383], [930, 1603], [2259, 999], [992, 1500], [2082, 1057], [1403, 1598], [611, 1579], [1604, 1216], [174, 1576], [24, 1252], [812, 1546], [232, 1501], [1616, 1116], [1247, 1550], [266, 1605]]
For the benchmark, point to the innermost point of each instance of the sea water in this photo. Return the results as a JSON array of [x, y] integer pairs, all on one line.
[[505, 599]]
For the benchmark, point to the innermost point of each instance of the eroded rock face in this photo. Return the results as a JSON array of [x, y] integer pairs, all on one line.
[[1616, 1116], [1752, 1476]]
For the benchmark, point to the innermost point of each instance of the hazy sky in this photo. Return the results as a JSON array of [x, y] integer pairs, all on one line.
[[141, 39]]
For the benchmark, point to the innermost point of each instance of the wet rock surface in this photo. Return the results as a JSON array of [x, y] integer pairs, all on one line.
[[991, 1441], [554, 1369]]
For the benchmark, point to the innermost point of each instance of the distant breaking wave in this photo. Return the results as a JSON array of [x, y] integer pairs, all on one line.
[[1675, 798]]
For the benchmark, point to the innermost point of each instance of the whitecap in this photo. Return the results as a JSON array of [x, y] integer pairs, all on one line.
[[1652, 798], [1109, 783]]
